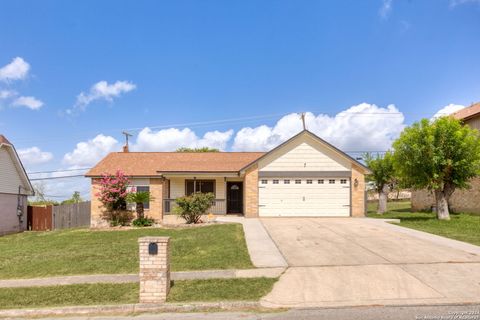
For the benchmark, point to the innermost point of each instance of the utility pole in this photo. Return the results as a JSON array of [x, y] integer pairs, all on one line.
[[126, 139], [302, 116]]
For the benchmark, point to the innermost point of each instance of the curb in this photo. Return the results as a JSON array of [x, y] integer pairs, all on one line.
[[131, 308]]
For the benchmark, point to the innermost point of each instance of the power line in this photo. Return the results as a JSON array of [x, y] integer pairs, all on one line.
[[59, 170], [237, 120], [60, 177], [202, 123]]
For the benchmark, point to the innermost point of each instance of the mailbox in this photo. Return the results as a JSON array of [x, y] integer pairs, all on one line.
[[152, 248]]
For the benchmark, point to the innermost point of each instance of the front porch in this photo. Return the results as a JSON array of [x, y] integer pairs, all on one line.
[[228, 192]]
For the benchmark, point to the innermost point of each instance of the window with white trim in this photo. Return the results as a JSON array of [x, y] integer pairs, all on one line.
[[201, 186], [275, 181], [286, 181], [331, 181], [343, 181], [298, 181], [309, 181], [146, 205], [320, 181], [264, 181]]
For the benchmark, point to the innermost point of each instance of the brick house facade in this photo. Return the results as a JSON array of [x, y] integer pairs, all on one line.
[[304, 176]]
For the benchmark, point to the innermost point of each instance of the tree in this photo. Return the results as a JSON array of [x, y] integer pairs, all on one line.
[[139, 198], [202, 149], [40, 198], [191, 208], [383, 175], [76, 198], [440, 156], [113, 190], [112, 194]]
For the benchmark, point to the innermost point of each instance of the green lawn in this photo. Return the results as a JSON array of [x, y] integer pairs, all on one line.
[[220, 289], [462, 226], [81, 251], [103, 293]]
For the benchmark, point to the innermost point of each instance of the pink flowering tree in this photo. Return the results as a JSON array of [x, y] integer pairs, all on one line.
[[113, 191]]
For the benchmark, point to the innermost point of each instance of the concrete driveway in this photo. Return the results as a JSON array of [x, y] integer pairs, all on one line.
[[354, 262]]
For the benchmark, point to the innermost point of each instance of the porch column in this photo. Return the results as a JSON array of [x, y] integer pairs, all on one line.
[[225, 194], [251, 192], [156, 205]]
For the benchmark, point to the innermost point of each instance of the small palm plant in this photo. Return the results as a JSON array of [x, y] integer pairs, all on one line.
[[139, 198]]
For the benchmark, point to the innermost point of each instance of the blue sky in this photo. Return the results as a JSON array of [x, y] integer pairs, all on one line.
[[158, 64]]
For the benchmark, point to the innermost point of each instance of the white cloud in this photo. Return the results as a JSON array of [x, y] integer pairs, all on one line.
[[447, 110], [34, 155], [90, 152], [29, 102], [454, 3], [101, 91], [173, 138], [61, 189], [5, 94], [15, 70], [364, 127], [385, 9]]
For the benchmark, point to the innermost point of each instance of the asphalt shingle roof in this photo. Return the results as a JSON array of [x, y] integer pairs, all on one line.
[[151, 163]]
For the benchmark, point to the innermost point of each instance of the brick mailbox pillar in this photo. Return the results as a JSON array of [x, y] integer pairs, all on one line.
[[154, 269]]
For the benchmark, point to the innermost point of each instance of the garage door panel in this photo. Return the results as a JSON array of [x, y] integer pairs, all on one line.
[[312, 199], [305, 213]]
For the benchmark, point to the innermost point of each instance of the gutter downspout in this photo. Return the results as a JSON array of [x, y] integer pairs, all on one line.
[[19, 209]]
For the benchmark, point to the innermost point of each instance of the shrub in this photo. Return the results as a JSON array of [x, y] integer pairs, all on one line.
[[143, 222], [191, 208], [118, 217]]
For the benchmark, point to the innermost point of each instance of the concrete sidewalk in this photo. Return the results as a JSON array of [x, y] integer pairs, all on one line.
[[125, 278], [263, 251]]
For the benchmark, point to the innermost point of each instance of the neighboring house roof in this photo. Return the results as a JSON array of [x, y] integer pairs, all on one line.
[[4, 140], [4, 143], [154, 163], [469, 112], [314, 136]]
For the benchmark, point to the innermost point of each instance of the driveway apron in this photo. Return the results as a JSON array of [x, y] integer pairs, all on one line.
[[357, 262]]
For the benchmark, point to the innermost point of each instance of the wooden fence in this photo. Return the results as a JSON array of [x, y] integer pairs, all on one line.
[[71, 215], [43, 218], [39, 218]]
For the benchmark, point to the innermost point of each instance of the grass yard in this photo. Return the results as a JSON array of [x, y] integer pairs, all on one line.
[[462, 226], [81, 251], [103, 293]]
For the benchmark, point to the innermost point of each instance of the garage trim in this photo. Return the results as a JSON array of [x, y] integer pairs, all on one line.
[[305, 174]]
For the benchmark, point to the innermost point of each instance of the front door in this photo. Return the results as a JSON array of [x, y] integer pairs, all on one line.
[[234, 197]]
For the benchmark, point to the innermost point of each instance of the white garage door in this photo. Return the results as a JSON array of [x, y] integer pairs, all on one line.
[[315, 197]]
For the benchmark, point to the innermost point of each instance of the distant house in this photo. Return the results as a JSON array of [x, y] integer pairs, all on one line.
[[14, 189], [461, 200], [303, 177]]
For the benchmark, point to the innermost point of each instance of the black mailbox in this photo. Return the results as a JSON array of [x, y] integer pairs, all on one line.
[[152, 248]]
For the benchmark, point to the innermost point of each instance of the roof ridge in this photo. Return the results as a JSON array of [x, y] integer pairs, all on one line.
[[190, 152]]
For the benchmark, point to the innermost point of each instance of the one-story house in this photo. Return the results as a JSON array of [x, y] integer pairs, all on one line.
[[467, 200], [303, 177], [15, 187]]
